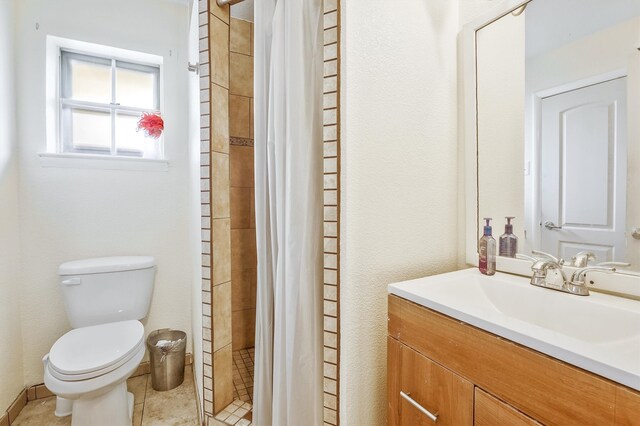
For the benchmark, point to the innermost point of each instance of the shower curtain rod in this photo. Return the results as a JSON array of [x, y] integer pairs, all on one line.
[[226, 2]]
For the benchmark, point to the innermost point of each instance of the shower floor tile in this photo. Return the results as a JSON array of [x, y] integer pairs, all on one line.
[[239, 413], [243, 375]]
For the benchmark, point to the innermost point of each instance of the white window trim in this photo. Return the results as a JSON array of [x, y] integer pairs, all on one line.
[[104, 162], [52, 156]]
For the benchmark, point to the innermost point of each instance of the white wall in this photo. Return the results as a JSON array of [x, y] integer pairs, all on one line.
[[11, 379], [74, 213], [399, 175]]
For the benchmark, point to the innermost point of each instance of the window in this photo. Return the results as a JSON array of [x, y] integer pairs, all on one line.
[[101, 101]]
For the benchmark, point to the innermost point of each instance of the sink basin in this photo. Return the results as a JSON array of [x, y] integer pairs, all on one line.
[[600, 333]]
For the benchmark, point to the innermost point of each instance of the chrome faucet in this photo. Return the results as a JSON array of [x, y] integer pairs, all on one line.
[[583, 259], [578, 283], [548, 273]]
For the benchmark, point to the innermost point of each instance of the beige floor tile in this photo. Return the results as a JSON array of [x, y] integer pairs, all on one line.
[[176, 407], [40, 412], [137, 414], [138, 387]]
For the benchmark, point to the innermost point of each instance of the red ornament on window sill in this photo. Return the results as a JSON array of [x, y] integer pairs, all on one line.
[[152, 124]]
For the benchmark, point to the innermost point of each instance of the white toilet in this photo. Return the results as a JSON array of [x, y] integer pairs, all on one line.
[[88, 367]]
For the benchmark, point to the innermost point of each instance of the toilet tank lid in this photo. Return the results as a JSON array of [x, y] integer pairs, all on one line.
[[106, 264]]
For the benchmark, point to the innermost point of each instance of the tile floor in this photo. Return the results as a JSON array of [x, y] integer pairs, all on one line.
[[239, 413], [176, 407], [243, 374]]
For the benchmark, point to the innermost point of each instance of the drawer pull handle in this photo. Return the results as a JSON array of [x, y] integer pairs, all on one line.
[[433, 417]]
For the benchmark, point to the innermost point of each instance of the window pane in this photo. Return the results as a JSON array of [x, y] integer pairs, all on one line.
[[136, 88], [90, 81], [128, 140], [90, 130]]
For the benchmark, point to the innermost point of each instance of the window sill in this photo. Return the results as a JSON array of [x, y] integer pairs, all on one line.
[[104, 162]]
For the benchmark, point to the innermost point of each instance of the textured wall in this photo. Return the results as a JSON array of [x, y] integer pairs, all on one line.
[[11, 380], [71, 213], [399, 175]]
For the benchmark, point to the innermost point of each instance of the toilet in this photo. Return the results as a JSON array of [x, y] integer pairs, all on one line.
[[88, 367]]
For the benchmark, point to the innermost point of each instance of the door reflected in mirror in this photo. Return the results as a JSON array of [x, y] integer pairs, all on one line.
[[558, 126]]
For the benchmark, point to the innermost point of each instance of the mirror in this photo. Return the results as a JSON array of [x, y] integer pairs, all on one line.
[[558, 127]]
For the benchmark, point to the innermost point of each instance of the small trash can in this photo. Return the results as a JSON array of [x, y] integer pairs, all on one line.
[[167, 350]]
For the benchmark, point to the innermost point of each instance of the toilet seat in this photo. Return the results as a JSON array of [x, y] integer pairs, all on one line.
[[96, 386], [88, 352]]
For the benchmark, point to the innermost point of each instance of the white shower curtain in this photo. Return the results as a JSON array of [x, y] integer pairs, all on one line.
[[288, 388]]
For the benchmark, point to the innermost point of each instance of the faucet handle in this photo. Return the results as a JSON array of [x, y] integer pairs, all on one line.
[[582, 259], [578, 277], [560, 261]]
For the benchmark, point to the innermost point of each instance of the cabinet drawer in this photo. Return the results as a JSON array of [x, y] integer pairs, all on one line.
[[418, 388], [490, 411]]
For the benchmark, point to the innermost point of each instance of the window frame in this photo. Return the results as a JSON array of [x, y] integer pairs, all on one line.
[[66, 104]]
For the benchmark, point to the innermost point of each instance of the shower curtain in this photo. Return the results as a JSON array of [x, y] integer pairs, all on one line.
[[288, 385]]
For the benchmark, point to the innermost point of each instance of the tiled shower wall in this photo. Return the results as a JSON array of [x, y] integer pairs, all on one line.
[[243, 223], [216, 212], [216, 215]]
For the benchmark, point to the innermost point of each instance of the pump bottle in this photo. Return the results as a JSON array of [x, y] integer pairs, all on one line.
[[487, 250], [508, 246]]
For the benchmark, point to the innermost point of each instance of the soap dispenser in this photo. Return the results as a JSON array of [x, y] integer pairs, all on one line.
[[508, 246], [487, 250]]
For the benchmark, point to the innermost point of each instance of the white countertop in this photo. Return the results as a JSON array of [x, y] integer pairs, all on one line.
[[599, 333]]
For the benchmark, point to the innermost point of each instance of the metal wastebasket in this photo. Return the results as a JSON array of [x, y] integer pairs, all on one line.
[[167, 350]]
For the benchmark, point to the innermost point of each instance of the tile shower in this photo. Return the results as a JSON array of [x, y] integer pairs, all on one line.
[[243, 223], [226, 72]]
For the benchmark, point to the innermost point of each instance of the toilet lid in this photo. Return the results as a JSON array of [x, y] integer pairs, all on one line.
[[95, 348]]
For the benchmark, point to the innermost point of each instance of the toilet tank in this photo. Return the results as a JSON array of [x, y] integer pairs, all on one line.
[[107, 289]]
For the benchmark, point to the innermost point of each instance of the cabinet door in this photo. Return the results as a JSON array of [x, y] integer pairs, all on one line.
[[419, 388], [490, 411]]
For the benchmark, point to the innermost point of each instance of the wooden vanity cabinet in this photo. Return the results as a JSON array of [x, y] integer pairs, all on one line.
[[490, 411], [435, 388], [468, 376]]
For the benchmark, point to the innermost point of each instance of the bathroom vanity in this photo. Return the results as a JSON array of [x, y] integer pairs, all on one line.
[[464, 348]]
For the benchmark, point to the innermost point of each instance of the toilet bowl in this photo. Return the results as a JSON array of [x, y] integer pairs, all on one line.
[[90, 367]]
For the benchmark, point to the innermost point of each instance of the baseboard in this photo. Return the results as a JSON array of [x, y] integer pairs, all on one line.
[[9, 416], [40, 391]]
